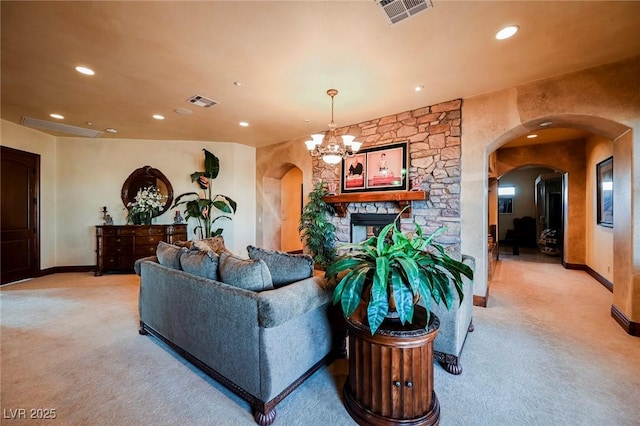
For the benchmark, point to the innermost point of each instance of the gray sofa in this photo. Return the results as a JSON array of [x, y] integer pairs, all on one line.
[[454, 325], [261, 345]]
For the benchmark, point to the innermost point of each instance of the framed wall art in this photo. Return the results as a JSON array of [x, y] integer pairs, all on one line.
[[381, 168], [505, 205], [604, 182]]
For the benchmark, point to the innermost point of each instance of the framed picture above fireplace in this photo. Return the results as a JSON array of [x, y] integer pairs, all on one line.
[[381, 168]]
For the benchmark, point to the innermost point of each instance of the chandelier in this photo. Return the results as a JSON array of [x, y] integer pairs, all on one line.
[[328, 146]]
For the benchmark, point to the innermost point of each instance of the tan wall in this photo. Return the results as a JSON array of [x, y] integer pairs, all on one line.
[[599, 239], [603, 100], [82, 175], [570, 158], [291, 209]]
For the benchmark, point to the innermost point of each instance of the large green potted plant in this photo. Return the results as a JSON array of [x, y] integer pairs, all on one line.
[[316, 230], [395, 270], [379, 283], [202, 207]]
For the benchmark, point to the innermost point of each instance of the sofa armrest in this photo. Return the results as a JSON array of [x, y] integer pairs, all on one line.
[[136, 265], [278, 306]]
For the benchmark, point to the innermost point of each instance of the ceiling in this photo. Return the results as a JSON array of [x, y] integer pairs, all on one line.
[[150, 57]]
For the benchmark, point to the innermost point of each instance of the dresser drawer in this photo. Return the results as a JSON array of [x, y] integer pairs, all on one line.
[[145, 250], [118, 250], [118, 240], [149, 230], [149, 239]]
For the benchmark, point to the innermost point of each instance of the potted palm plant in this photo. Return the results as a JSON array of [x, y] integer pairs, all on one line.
[[202, 207], [316, 230], [378, 284]]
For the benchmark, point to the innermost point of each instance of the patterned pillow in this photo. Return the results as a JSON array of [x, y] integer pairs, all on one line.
[[214, 244], [169, 255], [285, 268], [244, 273], [201, 263]]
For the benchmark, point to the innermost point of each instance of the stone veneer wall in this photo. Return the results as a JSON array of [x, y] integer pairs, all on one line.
[[433, 134]]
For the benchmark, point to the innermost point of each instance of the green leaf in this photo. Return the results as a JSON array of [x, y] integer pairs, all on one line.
[[378, 305], [352, 290], [403, 297], [211, 165], [222, 206], [411, 271]]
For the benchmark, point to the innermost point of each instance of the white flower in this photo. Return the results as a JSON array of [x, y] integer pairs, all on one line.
[[147, 200]]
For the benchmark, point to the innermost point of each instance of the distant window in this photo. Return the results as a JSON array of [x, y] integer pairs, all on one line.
[[506, 191]]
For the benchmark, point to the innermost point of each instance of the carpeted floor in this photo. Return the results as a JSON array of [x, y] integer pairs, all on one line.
[[545, 352]]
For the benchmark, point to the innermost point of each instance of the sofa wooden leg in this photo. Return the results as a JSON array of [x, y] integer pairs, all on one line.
[[142, 330], [452, 368], [471, 327], [265, 419]]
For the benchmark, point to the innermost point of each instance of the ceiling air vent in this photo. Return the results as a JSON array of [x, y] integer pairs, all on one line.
[[59, 127], [200, 100], [399, 10]]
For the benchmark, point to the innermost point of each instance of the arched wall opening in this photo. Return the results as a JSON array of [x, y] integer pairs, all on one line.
[[626, 297], [282, 204]]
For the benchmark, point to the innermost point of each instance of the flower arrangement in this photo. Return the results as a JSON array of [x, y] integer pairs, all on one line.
[[202, 206], [147, 202]]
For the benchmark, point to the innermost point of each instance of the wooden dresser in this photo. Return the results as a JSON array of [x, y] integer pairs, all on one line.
[[118, 247]]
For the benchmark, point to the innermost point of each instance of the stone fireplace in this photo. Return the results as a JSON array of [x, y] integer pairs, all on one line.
[[366, 225], [432, 134]]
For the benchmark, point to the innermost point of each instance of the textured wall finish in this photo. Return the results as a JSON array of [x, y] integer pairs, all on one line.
[[603, 100]]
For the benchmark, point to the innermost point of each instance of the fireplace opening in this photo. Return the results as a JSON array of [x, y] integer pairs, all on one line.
[[367, 225]]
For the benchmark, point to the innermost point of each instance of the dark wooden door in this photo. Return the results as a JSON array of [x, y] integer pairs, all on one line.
[[19, 213]]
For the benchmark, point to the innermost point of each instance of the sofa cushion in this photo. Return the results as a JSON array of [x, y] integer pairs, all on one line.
[[248, 274], [201, 263], [214, 244], [169, 255], [285, 268]]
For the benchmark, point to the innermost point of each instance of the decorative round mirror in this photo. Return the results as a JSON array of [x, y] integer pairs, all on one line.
[[144, 177]]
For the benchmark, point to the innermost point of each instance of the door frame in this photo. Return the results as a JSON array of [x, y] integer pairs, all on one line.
[[34, 219]]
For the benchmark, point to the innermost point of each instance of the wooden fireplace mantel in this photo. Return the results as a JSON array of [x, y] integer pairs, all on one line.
[[402, 198]]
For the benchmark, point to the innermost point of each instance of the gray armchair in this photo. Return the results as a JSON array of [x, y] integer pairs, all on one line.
[[454, 325]]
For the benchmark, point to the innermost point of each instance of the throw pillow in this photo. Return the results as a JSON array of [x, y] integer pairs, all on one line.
[[285, 268], [201, 263], [244, 273], [169, 255], [214, 244], [186, 244]]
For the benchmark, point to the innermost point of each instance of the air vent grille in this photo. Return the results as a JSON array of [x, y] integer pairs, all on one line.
[[399, 10], [202, 101], [59, 127]]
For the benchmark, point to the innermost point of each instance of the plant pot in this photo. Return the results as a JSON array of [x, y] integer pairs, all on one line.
[[391, 372]]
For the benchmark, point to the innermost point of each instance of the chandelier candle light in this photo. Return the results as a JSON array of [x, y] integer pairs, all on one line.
[[327, 145]]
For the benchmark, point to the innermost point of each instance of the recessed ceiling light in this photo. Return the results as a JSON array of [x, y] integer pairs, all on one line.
[[85, 70], [183, 111], [237, 83], [158, 116], [58, 116], [507, 32], [89, 123], [546, 123], [533, 136], [111, 130], [418, 88], [244, 124]]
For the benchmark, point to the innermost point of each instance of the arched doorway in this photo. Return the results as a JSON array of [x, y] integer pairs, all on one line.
[[527, 212], [282, 205], [622, 237]]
